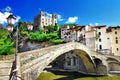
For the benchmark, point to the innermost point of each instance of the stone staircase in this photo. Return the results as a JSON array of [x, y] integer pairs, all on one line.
[[5, 69]]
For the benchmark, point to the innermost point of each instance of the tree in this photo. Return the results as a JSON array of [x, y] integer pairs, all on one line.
[[1, 26], [6, 44], [51, 28]]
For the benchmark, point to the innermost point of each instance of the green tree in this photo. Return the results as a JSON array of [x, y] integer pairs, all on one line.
[[51, 28], [36, 36], [6, 45]]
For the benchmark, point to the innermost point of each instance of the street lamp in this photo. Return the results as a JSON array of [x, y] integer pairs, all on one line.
[[10, 20]]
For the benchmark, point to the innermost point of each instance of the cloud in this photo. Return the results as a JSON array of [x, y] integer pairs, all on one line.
[[7, 9], [93, 24], [96, 24], [48, 14], [90, 24], [59, 17], [5, 14], [72, 19]]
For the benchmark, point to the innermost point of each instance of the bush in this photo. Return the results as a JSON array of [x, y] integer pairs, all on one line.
[[37, 37], [24, 33], [52, 36], [57, 41], [6, 47]]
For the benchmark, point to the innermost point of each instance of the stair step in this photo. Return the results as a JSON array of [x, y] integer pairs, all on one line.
[[5, 71], [5, 64], [4, 77]]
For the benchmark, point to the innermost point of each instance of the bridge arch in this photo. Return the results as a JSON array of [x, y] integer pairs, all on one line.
[[98, 61], [86, 60], [109, 59], [114, 66], [32, 63]]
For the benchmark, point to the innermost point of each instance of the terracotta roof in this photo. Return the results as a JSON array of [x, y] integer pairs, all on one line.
[[111, 27], [99, 26], [79, 27]]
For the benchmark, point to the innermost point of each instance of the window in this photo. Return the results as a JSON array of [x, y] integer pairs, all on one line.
[[100, 47], [100, 40], [69, 61], [99, 27], [116, 41], [74, 61], [108, 38], [99, 33], [115, 32], [117, 49]]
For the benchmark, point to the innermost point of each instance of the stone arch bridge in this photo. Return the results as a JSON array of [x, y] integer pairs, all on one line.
[[32, 63]]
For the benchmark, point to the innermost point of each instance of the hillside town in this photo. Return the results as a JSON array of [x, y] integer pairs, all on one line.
[[28, 49], [101, 38]]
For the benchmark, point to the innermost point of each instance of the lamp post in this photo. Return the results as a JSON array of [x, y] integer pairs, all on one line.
[[10, 26], [10, 20]]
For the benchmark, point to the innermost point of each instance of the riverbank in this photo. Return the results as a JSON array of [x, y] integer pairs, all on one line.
[[73, 76]]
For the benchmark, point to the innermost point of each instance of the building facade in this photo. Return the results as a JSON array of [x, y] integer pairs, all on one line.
[[115, 40], [102, 42], [90, 37], [42, 20], [72, 33], [105, 40]]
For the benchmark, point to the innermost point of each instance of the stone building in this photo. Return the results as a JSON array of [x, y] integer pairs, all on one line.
[[65, 33], [42, 20], [114, 32], [72, 33], [98, 38]]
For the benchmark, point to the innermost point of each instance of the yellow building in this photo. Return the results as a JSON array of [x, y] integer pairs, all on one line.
[[115, 40]]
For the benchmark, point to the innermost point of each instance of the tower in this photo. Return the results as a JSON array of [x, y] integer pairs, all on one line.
[[54, 19]]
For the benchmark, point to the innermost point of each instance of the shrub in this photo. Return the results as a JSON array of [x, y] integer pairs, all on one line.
[[57, 41]]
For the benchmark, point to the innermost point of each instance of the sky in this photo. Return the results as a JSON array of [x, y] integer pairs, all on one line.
[[82, 12]]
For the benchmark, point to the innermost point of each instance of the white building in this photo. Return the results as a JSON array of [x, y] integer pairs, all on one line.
[[43, 20], [103, 43], [90, 37]]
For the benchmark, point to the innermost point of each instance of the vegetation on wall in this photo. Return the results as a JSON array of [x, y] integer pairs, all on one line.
[[6, 44]]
